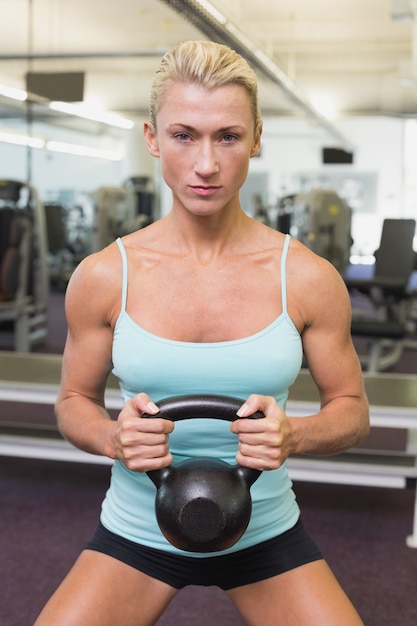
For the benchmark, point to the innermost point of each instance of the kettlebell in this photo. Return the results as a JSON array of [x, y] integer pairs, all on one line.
[[203, 504]]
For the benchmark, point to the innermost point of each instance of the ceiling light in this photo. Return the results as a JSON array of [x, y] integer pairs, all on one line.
[[78, 150], [14, 94], [112, 119], [18, 139], [22, 140], [89, 113], [325, 105]]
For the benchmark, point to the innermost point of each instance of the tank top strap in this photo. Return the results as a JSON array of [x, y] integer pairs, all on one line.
[[124, 272], [284, 273]]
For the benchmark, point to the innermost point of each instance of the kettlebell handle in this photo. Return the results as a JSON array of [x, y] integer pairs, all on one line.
[[192, 406], [179, 408]]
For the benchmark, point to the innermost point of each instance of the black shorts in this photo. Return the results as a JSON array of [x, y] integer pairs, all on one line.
[[264, 560]]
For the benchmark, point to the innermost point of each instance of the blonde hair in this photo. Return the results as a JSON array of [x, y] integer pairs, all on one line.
[[208, 65]]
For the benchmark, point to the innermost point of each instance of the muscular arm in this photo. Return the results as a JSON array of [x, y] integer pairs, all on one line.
[[80, 410], [320, 306], [93, 303], [343, 419]]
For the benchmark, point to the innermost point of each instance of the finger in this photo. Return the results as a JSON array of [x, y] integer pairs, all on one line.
[[260, 457], [243, 425], [135, 438], [141, 403], [142, 463], [267, 439], [259, 451], [146, 452], [135, 424], [262, 464], [255, 403]]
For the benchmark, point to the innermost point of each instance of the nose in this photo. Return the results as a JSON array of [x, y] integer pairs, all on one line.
[[206, 163]]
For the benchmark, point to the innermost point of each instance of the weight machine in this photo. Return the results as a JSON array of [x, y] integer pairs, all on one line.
[[383, 301], [321, 219], [115, 214], [24, 284]]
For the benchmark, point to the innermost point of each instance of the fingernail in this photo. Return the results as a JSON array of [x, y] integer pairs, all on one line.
[[152, 407], [244, 409]]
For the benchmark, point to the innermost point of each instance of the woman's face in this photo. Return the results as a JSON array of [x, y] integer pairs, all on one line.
[[204, 139]]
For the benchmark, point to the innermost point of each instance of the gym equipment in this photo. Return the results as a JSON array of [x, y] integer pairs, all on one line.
[[203, 505], [15, 248], [114, 209], [142, 186], [24, 250], [321, 220], [115, 214], [383, 301]]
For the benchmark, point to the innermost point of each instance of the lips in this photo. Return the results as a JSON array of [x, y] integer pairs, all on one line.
[[204, 191]]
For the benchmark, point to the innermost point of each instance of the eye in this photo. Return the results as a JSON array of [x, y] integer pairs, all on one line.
[[183, 137], [229, 138]]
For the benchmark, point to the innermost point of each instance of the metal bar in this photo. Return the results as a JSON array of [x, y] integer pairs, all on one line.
[[38, 393], [411, 540], [47, 449], [51, 56]]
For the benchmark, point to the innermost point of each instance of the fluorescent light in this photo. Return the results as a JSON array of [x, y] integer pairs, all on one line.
[[325, 105], [85, 112], [59, 146], [71, 148], [79, 110], [22, 140], [14, 94]]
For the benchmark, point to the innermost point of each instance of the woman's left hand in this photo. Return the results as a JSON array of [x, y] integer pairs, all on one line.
[[264, 443]]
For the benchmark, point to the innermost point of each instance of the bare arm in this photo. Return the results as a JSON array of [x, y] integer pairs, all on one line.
[[322, 304], [93, 302], [343, 419]]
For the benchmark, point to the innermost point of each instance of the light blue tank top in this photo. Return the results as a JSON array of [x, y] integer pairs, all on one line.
[[267, 363]]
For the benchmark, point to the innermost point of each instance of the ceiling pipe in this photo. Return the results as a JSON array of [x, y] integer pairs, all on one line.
[[218, 28], [52, 56]]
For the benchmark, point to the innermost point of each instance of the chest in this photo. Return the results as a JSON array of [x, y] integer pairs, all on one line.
[[184, 301]]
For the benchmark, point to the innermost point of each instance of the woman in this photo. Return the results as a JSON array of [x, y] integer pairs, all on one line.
[[205, 300]]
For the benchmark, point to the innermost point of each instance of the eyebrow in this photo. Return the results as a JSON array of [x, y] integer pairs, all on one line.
[[186, 127]]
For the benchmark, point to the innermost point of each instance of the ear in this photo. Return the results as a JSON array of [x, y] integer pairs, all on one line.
[[150, 139], [256, 142]]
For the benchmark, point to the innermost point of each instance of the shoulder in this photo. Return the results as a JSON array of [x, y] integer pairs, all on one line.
[[96, 284], [98, 268], [308, 265], [314, 285]]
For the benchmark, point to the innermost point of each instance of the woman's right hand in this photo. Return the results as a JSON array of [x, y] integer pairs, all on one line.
[[142, 444]]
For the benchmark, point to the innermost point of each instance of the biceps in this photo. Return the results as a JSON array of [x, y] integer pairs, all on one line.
[[333, 361], [87, 362]]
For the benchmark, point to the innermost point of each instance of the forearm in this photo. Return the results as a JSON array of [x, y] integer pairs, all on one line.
[[339, 425], [86, 425]]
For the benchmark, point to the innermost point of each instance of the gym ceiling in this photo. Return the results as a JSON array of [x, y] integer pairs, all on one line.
[[359, 54]]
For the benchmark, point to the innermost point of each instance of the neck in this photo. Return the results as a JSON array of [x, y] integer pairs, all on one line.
[[207, 237]]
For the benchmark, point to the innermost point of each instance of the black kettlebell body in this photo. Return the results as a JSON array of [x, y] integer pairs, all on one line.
[[203, 504]]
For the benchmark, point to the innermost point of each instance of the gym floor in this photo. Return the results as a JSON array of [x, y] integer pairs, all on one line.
[[49, 510]]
